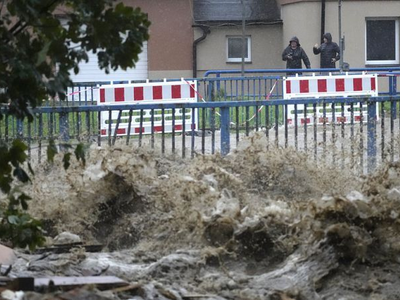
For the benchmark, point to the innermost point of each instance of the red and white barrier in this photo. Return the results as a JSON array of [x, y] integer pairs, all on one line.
[[149, 92], [173, 91], [330, 86], [342, 85], [344, 114]]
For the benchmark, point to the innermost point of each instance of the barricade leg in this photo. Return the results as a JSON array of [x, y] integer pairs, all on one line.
[[393, 91], [225, 134], [371, 129], [20, 129], [64, 129]]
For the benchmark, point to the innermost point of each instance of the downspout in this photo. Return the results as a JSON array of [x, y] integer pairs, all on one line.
[[206, 30], [322, 20]]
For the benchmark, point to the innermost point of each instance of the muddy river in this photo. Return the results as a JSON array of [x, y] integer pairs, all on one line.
[[255, 224]]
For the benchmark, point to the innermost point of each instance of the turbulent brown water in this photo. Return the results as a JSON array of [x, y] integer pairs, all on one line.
[[256, 224]]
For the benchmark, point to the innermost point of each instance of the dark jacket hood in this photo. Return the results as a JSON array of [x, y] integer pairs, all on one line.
[[295, 39], [328, 36]]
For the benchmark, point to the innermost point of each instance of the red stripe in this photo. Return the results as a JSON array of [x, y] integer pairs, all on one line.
[[288, 87], [158, 128], [304, 86], [307, 121], [192, 94], [157, 93], [176, 91], [119, 94], [323, 120], [373, 83], [339, 85], [178, 127], [357, 118], [357, 84], [102, 95], [322, 86], [341, 119], [137, 129], [121, 131], [138, 93]]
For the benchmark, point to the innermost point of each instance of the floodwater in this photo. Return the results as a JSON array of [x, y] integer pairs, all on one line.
[[256, 224]]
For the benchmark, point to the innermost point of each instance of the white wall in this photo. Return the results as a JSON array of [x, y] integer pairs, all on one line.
[[90, 72]]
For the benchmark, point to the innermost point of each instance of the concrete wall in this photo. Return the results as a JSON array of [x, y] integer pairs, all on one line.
[[171, 37], [303, 18], [266, 48]]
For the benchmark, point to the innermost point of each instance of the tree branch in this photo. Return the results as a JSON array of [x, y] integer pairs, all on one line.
[[18, 27], [2, 5]]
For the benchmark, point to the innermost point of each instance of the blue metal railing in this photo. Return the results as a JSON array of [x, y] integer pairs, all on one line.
[[255, 85], [230, 108], [220, 132], [218, 73]]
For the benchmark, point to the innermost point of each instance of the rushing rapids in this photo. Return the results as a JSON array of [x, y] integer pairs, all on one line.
[[256, 224]]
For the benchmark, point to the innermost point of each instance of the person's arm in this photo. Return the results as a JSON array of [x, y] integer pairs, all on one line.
[[337, 49], [316, 49], [286, 55], [305, 59]]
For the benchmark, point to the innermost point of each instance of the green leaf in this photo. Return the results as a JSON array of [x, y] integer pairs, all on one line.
[[30, 169], [21, 175], [80, 153], [51, 151], [5, 183], [66, 160], [13, 220], [17, 152], [42, 55], [23, 198]]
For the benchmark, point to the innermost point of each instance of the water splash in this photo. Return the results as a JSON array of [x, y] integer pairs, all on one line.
[[259, 223]]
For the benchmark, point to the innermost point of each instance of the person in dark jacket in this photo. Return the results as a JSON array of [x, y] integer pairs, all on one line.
[[294, 54], [330, 52]]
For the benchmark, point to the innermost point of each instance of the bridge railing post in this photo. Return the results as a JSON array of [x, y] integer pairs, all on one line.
[[371, 129], [225, 130]]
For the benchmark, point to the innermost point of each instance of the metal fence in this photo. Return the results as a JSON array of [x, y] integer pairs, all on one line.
[[229, 109]]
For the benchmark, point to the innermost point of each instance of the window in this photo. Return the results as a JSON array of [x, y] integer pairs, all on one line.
[[382, 41], [234, 48]]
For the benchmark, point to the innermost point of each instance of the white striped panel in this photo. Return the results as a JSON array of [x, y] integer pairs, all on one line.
[[166, 92], [295, 86], [348, 84], [366, 84], [109, 95], [128, 93], [148, 93], [185, 91], [330, 85], [313, 86]]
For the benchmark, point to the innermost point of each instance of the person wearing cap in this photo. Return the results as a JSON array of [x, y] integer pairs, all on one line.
[[330, 52], [294, 54]]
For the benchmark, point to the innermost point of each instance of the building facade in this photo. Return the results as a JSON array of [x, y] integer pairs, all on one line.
[[370, 28], [190, 37]]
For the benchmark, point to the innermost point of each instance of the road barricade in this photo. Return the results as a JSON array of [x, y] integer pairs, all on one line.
[[147, 121], [328, 86]]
